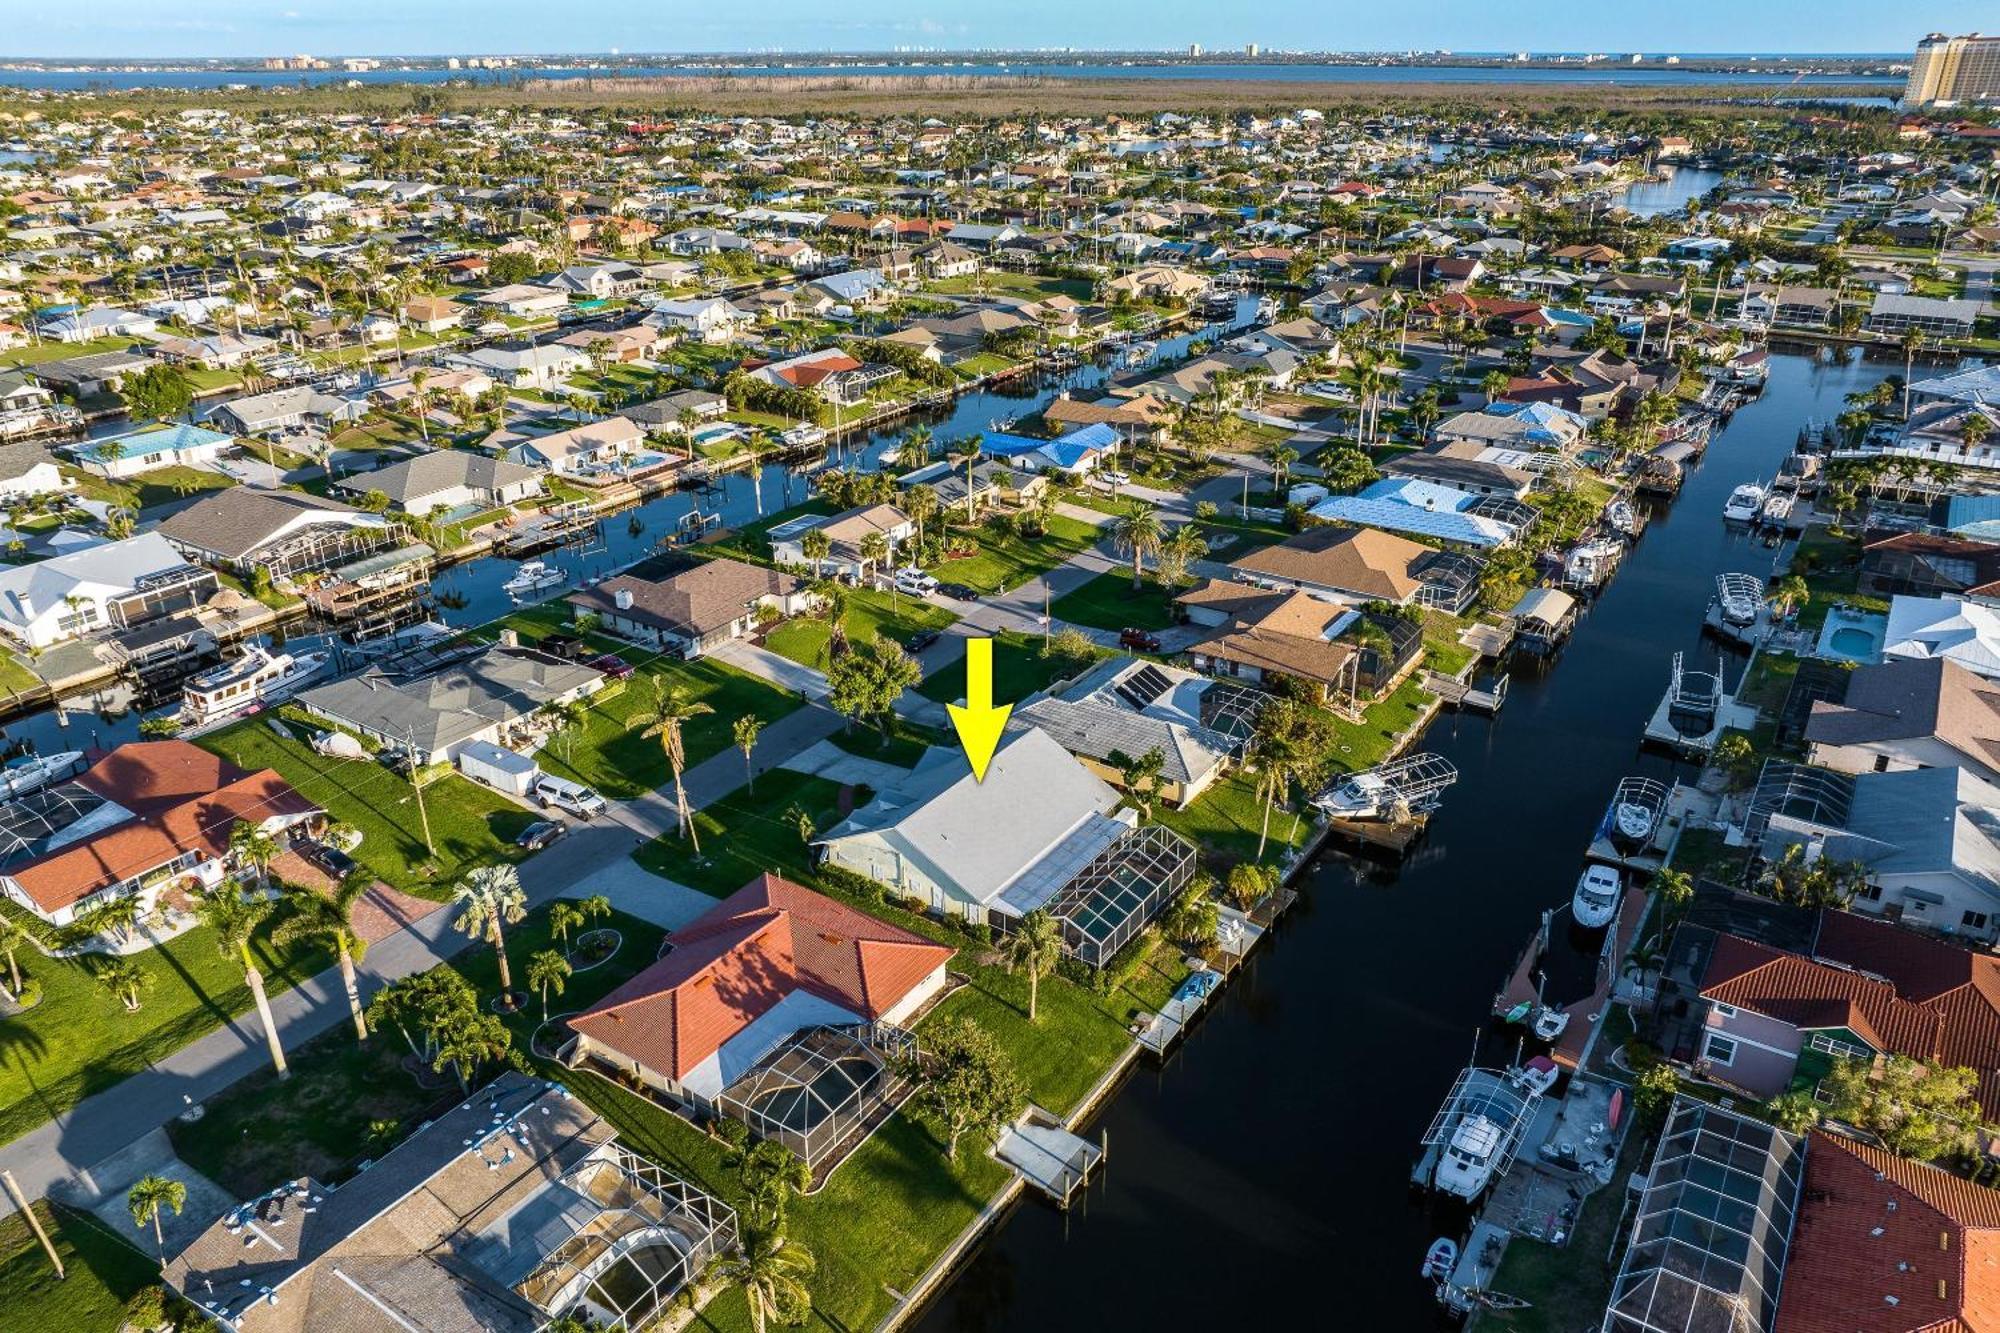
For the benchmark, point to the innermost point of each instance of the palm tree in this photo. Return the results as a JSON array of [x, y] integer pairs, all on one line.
[[816, 546], [489, 901], [1035, 947], [1789, 595], [148, 1197], [125, 980], [1282, 459], [1645, 960], [547, 971], [744, 732], [234, 918], [676, 707], [1138, 533], [921, 504], [1676, 889], [564, 917], [772, 1272], [1913, 342], [329, 917], [875, 550], [968, 454], [1494, 385], [255, 848]]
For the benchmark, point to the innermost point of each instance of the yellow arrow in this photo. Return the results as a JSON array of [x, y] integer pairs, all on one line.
[[978, 722]]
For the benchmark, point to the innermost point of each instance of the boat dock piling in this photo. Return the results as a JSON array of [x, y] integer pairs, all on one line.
[[1052, 1160], [1461, 694]]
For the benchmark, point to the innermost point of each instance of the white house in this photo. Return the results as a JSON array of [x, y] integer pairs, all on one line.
[[542, 367], [149, 447], [711, 319], [114, 585]]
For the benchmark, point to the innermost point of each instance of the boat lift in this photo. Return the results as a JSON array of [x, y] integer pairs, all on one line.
[[1502, 1096], [1398, 791]]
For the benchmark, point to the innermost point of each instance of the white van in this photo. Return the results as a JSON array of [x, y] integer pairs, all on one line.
[[574, 797]]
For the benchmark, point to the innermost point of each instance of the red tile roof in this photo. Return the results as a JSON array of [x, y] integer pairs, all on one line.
[[1872, 1227], [768, 939], [1903, 993], [182, 799]]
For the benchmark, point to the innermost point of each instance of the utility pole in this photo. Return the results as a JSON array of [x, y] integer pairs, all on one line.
[[28, 1211]]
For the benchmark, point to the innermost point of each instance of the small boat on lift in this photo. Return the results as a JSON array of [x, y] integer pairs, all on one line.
[[1622, 517], [36, 772], [1412, 785], [1634, 814]]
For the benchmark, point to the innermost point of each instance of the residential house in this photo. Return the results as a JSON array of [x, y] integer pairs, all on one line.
[[1427, 509], [709, 319], [159, 445], [431, 314], [845, 533], [773, 981], [1123, 709], [544, 366], [1358, 565], [27, 470], [1909, 713], [607, 445], [1265, 638], [114, 585], [280, 410], [1932, 565], [524, 300], [1940, 317], [434, 714], [1967, 633], [448, 480], [149, 818], [1039, 833], [284, 533], [689, 606], [504, 1214]]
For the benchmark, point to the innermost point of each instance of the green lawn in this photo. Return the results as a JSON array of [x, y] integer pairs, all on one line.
[[746, 833], [749, 541], [1019, 669], [156, 486], [103, 1273], [1367, 743], [1443, 652], [469, 825], [902, 745], [1030, 285], [1108, 602], [1006, 560], [612, 753], [1226, 820], [80, 1041], [319, 1122], [868, 612], [1568, 1284]]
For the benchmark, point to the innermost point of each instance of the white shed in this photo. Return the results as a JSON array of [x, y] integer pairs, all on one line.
[[500, 768]]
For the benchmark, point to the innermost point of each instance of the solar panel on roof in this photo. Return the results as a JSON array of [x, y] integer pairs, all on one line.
[[1145, 687]]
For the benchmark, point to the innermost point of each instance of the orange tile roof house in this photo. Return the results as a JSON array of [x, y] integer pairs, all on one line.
[[148, 816], [1890, 1246], [779, 1007]]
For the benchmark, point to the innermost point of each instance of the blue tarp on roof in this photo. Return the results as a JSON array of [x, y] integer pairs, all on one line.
[[149, 441], [1097, 435], [1002, 445]]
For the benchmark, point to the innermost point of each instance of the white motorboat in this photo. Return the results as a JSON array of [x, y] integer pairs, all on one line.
[[1738, 597], [804, 435], [1744, 503], [258, 677], [1590, 564], [1538, 1075], [1776, 511], [1549, 1023], [34, 773], [533, 576], [1397, 790], [1622, 517], [1595, 901], [1360, 797], [1634, 816], [1466, 1166]]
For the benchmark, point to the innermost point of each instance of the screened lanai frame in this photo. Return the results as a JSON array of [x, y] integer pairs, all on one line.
[[650, 1224], [1798, 793], [1713, 1229], [1123, 888], [811, 1093]]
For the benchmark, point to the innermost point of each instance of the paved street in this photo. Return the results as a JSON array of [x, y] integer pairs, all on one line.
[[594, 858]]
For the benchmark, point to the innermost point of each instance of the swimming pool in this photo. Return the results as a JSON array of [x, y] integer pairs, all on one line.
[[717, 432], [1852, 636]]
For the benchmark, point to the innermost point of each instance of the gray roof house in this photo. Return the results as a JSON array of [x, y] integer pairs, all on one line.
[[1930, 838], [496, 1217], [285, 532], [283, 409], [435, 714], [1909, 713], [448, 479], [688, 604], [1041, 832], [1129, 707]]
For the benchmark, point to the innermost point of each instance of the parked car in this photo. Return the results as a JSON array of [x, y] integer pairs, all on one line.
[[1139, 640], [1113, 477], [330, 859], [539, 834], [915, 582], [562, 794], [958, 592], [921, 640], [612, 665]]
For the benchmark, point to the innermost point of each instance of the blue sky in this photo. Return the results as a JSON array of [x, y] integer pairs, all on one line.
[[417, 27]]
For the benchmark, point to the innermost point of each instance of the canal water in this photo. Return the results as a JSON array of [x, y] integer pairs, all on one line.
[[1648, 199], [1264, 1171], [472, 593]]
